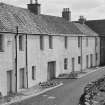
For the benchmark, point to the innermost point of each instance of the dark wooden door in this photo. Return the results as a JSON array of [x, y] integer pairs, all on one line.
[[51, 70], [22, 84], [9, 82], [73, 64]]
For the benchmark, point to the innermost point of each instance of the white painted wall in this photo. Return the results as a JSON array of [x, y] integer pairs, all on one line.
[[90, 49], [40, 58], [6, 62]]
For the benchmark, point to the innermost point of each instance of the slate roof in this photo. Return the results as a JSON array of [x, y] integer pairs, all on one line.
[[11, 16], [86, 30], [97, 25], [59, 25]]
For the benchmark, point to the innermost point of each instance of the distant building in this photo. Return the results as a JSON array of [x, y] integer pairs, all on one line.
[[42, 47], [99, 27]]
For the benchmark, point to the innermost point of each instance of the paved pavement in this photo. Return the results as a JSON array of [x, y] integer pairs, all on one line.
[[68, 94]]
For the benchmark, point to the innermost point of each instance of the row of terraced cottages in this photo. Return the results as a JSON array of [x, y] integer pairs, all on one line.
[[42, 47]]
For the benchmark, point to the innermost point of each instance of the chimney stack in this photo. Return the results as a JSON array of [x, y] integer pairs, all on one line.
[[82, 20], [66, 14], [34, 7]]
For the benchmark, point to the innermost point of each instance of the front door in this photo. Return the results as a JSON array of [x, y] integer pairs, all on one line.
[[9, 82], [51, 70], [73, 64], [22, 81]]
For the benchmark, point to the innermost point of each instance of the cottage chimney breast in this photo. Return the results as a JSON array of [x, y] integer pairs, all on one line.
[[34, 7], [66, 14]]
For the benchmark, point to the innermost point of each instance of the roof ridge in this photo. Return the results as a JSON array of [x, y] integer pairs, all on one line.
[[4, 5]]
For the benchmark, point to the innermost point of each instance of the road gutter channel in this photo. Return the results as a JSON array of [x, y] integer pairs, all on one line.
[[46, 90]]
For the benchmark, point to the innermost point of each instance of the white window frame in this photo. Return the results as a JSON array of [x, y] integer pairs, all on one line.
[[21, 43], [66, 63], [1, 43], [33, 72]]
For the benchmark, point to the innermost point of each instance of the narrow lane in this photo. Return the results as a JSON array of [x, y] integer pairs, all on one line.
[[68, 94]]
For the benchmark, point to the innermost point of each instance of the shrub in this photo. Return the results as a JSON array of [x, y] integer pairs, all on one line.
[[73, 75]]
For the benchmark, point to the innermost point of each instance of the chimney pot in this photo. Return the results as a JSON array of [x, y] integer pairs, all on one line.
[[68, 9], [66, 14], [82, 20], [36, 1], [34, 7], [31, 1]]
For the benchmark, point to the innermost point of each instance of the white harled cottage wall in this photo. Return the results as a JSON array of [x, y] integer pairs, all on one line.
[[98, 51], [7, 63], [21, 62], [40, 58], [88, 50]]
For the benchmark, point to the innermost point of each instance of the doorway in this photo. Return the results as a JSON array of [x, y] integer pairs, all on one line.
[[73, 64], [51, 70], [9, 82], [22, 78]]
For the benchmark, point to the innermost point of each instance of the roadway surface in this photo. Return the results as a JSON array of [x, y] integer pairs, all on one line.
[[68, 94]]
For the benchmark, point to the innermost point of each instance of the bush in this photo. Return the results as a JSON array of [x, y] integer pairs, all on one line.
[[48, 84], [62, 75], [73, 75]]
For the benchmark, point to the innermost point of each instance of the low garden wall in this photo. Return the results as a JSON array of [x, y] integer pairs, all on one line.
[[93, 93]]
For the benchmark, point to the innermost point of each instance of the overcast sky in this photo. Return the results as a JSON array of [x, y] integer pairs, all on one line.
[[91, 9]]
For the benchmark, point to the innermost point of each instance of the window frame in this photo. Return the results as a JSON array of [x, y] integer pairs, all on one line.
[[87, 61], [50, 42], [87, 41], [41, 42], [33, 72], [79, 59], [65, 63], [96, 56], [21, 43], [66, 42], [79, 41], [1, 43], [96, 41]]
